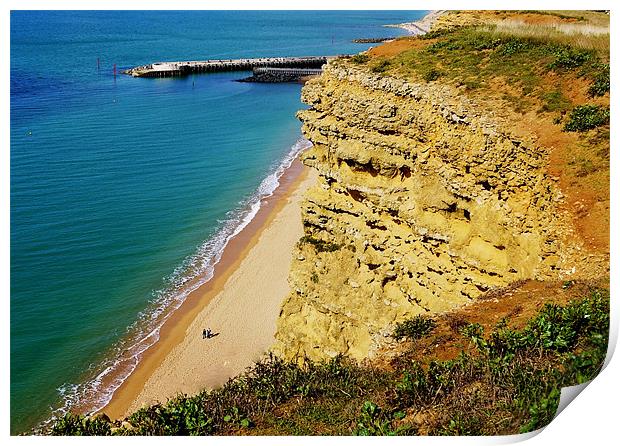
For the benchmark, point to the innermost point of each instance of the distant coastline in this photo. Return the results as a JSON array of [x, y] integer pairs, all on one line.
[[421, 26]]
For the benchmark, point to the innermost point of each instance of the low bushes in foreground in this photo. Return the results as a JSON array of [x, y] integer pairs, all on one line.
[[360, 58], [587, 117], [414, 328], [508, 383]]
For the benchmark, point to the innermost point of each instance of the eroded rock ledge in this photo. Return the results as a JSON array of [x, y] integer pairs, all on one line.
[[423, 203]]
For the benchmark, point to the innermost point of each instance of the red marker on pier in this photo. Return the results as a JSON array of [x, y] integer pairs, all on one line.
[[114, 70]]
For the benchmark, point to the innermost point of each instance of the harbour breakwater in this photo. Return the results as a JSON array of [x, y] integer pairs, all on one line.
[[374, 40], [274, 75], [178, 69]]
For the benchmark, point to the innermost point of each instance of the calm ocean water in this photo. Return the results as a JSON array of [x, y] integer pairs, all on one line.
[[124, 189]]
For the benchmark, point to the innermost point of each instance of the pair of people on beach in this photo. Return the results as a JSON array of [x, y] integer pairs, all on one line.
[[206, 333]]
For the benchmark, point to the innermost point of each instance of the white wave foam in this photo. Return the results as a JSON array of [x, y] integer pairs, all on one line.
[[193, 272]]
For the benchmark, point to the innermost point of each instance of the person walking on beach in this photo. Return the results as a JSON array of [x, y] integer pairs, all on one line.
[[204, 333]]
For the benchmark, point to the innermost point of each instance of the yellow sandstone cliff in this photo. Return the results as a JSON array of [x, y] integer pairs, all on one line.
[[424, 202]]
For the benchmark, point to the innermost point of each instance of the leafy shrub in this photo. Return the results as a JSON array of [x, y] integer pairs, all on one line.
[[513, 46], [413, 384], [542, 412], [584, 366], [360, 58], [483, 41], [467, 39], [236, 416], [418, 385], [586, 117], [555, 328], [380, 66], [180, 416], [371, 421], [431, 75], [79, 425], [275, 380], [475, 333], [414, 328], [568, 58], [461, 425], [449, 45], [375, 421], [600, 86]]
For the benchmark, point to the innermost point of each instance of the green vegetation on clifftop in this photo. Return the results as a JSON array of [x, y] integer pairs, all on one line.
[[526, 67]]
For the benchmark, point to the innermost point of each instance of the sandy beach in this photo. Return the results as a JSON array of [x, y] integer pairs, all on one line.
[[240, 305]]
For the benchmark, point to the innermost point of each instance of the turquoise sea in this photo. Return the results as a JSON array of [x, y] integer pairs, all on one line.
[[123, 189]]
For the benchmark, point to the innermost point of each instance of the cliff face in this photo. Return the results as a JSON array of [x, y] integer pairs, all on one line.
[[423, 203]]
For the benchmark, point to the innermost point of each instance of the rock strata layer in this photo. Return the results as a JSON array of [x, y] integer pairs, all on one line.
[[423, 203]]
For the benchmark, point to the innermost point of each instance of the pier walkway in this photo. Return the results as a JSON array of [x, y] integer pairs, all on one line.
[[173, 69]]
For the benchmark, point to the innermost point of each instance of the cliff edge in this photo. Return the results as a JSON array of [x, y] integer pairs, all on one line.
[[427, 199]]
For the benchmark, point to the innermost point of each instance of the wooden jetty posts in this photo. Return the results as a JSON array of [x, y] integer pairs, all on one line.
[[175, 69]]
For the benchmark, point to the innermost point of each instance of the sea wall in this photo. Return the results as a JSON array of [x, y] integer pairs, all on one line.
[[278, 75], [423, 203]]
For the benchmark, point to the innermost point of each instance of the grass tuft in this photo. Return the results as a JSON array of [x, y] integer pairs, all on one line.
[[414, 328], [381, 66], [360, 58], [577, 35]]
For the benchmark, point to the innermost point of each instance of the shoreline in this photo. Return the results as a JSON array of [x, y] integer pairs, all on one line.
[[174, 332], [422, 26]]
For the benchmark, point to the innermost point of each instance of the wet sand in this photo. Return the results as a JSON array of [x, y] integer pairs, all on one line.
[[240, 304]]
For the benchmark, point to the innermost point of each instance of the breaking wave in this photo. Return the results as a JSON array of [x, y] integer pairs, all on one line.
[[106, 377]]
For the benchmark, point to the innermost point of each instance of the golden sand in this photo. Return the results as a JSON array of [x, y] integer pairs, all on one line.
[[240, 304]]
